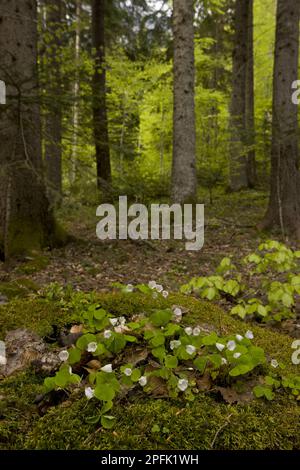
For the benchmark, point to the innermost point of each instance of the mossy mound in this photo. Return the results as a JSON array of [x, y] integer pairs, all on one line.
[[206, 423], [21, 287]]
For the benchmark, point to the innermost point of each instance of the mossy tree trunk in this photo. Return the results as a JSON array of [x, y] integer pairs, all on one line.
[[25, 220], [284, 202], [184, 176]]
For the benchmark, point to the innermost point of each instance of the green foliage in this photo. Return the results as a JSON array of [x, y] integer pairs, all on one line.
[[168, 343], [276, 298]]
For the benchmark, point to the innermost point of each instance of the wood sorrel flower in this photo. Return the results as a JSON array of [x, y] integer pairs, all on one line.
[[152, 284], [128, 371], [63, 356], [182, 384], [188, 330], [89, 392], [107, 368], [91, 347], [249, 335], [107, 334], [220, 346], [231, 345], [274, 363], [190, 349], [175, 343], [143, 381]]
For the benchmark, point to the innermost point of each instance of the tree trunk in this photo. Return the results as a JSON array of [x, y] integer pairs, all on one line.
[[53, 121], [184, 177], [99, 96], [284, 202], [76, 88], [25, 220], [250, 120], [238, 158]]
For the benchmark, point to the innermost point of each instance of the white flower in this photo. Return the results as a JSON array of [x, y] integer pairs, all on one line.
[[223, 361], [129, 288], [128, 371], [196, 331], [177, 312], [143, 381], [220, 346], [188, 330], [91, 347], [159, 288], [152, 284], [107, 334], [274, 363], [165, 294], [182, 384], [107, 368], [237, 355], [63, 356], [231, 345], [113, 321], [190, 349], [89, 392], [122, 321], [239, 337], [249, 335], [175, 344]]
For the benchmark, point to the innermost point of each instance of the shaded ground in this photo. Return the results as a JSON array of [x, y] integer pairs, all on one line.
[[90, 264]]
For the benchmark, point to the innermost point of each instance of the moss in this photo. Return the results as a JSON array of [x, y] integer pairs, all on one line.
[[18, 288], [24, 238], [35, 314], [17, 409], [198, 425], [36, 264]]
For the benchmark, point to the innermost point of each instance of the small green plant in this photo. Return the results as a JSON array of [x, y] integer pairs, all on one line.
[[175, 356], [272, 300]]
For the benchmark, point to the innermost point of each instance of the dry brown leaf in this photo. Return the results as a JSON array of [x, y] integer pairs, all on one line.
[[76, 329], [204, 383], [232, 396], [135, 356]]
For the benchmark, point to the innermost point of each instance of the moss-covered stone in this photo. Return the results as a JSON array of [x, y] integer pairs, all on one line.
[[205, 423]]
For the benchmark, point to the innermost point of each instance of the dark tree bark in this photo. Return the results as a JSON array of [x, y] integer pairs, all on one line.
[[284, 202], [242, 151], [99, 96], [238, 166], [250, 120], [184, 178], [53, 118], [25, 220]]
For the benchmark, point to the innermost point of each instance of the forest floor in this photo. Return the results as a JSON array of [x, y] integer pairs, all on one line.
[[89, 264]]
